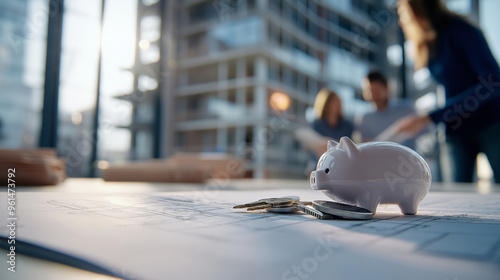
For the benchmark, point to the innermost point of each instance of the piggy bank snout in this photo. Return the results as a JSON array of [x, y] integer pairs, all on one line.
[[317, 177], [312, 180]]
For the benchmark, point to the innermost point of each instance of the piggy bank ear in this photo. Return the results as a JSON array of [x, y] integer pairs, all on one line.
[[332, 144], [348, 146]]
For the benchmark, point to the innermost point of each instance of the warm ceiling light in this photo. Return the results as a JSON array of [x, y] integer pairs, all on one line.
[[103, 164], [76, 118], [279, 101], [144, 44]]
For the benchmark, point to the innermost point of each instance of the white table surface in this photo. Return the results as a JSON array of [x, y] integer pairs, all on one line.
[[456, 234]]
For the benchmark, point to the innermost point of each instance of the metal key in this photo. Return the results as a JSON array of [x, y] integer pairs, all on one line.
[[268, 203], [287, 209], [302, 206]]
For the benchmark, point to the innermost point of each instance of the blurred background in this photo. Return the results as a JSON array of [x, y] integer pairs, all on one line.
[[115, 81]]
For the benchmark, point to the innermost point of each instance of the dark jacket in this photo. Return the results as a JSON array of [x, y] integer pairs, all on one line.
[[464, 65]]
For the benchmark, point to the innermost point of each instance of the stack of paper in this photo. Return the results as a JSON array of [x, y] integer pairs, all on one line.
[[191, 168], [34, 167]]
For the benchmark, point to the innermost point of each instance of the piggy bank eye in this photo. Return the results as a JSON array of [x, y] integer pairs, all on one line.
[[327, 170]]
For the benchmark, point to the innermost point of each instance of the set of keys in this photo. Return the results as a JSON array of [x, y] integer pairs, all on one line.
[[323, 210]]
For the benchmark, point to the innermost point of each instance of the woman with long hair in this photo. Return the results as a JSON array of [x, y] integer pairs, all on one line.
[[329, 121], [328, 124], [457, 56]]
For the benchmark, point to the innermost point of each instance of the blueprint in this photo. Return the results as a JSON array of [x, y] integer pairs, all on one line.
[[197, 235]]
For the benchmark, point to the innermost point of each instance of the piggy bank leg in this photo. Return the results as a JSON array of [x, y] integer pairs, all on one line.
[[369, 202], [409, 206]]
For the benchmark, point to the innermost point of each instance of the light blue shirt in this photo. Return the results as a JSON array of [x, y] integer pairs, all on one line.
[[373, 123]]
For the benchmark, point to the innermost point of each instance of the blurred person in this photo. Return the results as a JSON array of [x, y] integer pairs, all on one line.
[[457, 55], [386, 111], [329, 123]]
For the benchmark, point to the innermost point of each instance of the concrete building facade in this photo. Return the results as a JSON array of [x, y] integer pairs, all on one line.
[[227, 58]]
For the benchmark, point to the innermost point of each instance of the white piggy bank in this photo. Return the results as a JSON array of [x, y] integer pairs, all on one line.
[[369, 174]]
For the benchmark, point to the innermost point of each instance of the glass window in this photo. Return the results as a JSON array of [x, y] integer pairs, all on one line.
[[275, 6], [273, 72], [180, 139], [149, 53], [144, 142], [251, 4], [274, 34], [459, 6], [231, 70], [249, 69], [342, 5], [209, 140], [202, 12], [231, 138], [118, 54], [238, 33], [146, 83], [23, 37], [345, 23], [149, 2], [150, 28], [78, 83], [196, 44], [202, 74], [489, 23]]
